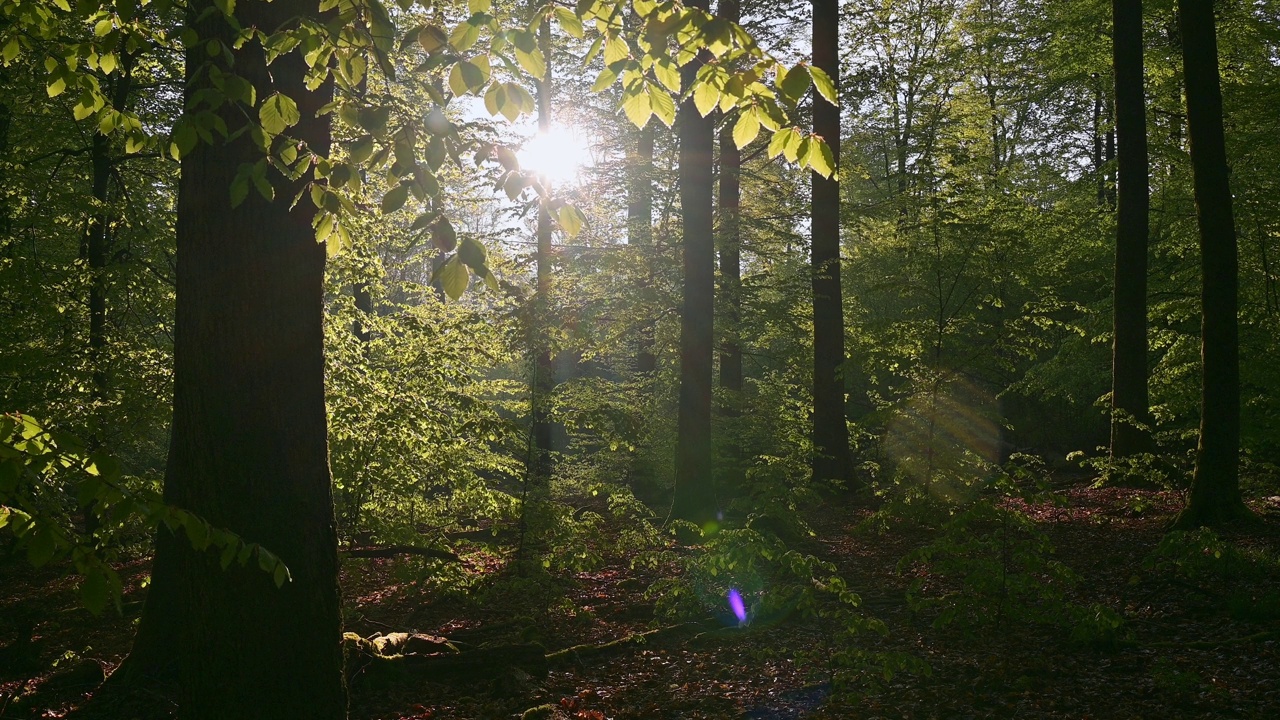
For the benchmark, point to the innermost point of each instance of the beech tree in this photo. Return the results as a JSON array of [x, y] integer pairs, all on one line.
[[830, 433], [695, 491], [249, 449], [1130, 417], [1215, 487]]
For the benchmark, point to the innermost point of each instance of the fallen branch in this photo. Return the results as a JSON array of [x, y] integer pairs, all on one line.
[[1212, 644], [387, 551], [577, 653]]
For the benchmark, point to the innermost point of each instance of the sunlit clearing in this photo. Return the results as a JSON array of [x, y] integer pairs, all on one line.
[[558, 155], [739, 608]]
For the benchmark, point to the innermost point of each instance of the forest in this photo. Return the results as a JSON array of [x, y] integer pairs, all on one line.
[[629, 359]]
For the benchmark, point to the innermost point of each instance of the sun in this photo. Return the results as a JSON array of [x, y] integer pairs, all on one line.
[[558, 154]]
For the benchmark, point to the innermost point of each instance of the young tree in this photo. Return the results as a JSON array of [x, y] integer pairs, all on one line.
[[730, 187], [1215, 488], [830, 433], [249, 447], [1130, 415]]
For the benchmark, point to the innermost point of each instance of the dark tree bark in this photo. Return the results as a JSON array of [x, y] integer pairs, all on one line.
[[640, 235], [830, 433], [694, 491], [730, 241], [1129, 398], [249, 448], [1215, 487], [1098, 170]]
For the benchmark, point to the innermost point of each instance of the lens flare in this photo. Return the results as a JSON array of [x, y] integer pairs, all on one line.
[[737, 606]]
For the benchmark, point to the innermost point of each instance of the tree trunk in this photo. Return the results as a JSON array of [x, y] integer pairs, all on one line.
[[694, 491], [730, 241], [1129, 399], [544, 370], [830, 433], [249, 449], [1215, 488], [640, 235]]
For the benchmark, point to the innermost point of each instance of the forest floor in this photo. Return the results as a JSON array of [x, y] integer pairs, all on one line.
[[1191, 646]]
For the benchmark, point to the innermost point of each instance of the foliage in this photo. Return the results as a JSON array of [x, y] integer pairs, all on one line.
[[48, 482]]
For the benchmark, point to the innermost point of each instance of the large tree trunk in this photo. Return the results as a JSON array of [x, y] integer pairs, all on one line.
[[830, 433], [695, 492], [249, 449], [1215, 488], [1129, 397]]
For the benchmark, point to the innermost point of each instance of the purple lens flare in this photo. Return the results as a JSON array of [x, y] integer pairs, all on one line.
[[735, 603]]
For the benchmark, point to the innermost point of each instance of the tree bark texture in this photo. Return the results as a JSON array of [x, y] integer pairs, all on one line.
[[830, 433], [694, 490], [1215, 488], [249, 449], [640, 235], [730, 187], [1129, 397]]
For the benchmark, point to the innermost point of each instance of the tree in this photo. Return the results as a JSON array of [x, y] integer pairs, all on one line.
[[694, 492], [830, 433], [1130, 416], [730, 234], [249, 449], [1215, 487]]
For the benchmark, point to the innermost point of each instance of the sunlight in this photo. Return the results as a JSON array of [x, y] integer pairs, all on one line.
[[558, 155]]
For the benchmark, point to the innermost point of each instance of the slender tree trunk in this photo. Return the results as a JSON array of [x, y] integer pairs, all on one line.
[[544, 370], [1097, 142], [640, 234], [1215, 487], [830, 433], [249, 448], [695, 490], [1110, 159], [96, 256], [730, 241], [1129, 399]]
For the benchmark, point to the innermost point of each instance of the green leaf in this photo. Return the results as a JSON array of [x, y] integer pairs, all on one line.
[[606, 78], [667, 73], [571, 220], [395, 198], [469, 76], [532, 62], [746, 129], [794, 84], [93, 591], [280, 575], [777, 142], [479, 6], [277, 113], [228, 7], [822, 82], [663, 107], [432, 38], [569, 21], [184, 141], [472, 254], [705, 98], [821, 159], [637, 107], [464, 36], [453, 278], [56, 86]]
